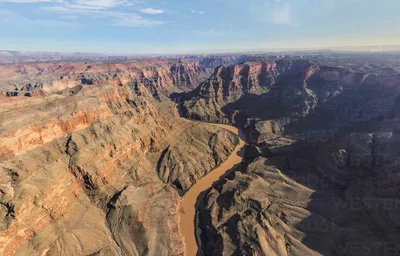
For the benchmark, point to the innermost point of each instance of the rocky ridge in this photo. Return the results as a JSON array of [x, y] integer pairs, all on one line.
[[161, 77], [98, 165], [320, 176], [95, 163]]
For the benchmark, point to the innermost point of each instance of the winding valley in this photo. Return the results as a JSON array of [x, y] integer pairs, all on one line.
[[96, 160], [187, 212]]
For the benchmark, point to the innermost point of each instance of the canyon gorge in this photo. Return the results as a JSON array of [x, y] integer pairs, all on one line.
[[247, 155]]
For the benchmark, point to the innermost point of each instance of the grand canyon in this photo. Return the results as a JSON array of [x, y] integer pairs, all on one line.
[[248, 154]]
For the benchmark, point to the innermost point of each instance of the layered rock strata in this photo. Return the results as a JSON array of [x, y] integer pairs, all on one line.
[[320, 176], [97, 165]]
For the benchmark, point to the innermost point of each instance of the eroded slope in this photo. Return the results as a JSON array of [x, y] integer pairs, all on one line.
[[98, 170], [320, 175]]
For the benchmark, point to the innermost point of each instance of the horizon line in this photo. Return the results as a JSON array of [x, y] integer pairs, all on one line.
[[353, 48]]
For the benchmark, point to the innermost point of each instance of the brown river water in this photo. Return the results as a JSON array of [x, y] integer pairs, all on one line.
[[187, 208]]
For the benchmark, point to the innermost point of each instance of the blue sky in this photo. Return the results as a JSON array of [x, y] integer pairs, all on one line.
[[189, 26]]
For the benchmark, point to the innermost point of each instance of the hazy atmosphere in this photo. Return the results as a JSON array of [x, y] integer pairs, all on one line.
[[162, 26]]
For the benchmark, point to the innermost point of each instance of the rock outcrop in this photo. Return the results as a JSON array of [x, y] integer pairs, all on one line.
[[312, 200], [265, 97], [321, 173], [161, 77], [96, 164], [217, 61], [243, 86], [94, 157]]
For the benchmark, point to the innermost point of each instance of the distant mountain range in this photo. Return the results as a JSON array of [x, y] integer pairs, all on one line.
[[7, 56]]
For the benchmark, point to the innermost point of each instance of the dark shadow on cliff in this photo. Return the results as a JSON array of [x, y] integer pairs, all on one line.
[[352, 209], [339, 223], [343, 220]]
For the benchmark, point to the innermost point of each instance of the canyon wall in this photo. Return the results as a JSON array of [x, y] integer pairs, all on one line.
[[321, 172], [94, 158], [161, 77]]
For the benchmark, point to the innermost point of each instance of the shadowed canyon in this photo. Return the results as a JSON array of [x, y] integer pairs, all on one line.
[[200, 155]]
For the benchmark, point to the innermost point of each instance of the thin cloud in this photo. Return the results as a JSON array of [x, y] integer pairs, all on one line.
[[69, 17], [133, 20], [152, 11], [197, 12], [30, 1], [11, 17], [122, 19], [282, 15], [209, 32], [96, 9], [96, 4], [81, 4]]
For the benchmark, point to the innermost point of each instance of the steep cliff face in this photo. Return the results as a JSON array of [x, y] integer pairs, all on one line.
[[234, 84], [94, 159], [161, 77], [321, 173], [217, 61], [96, 165], [265, 97], [335, 198]]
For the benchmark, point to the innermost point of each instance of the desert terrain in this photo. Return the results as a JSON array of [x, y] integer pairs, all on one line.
[[252, 154]]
